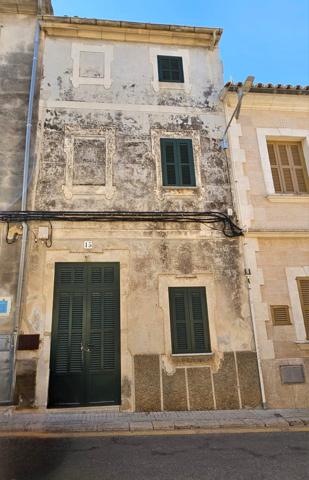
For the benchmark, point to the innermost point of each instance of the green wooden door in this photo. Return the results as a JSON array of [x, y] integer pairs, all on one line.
[[85, 347]]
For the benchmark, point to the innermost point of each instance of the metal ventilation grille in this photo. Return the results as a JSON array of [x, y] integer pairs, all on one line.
[[280, 315]]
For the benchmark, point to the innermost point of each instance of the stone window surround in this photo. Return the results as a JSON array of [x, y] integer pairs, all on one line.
[[71, 133], [292, 273], [285, 134], [106, 50], [52, 257], [170, 51], [193, 135], [195, 280]]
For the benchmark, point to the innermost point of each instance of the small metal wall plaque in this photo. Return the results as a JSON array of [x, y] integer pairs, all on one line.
[[292, 374]]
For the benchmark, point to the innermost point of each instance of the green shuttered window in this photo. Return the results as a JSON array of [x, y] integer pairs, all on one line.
[[189, 320], [177, 162], [170, 69]]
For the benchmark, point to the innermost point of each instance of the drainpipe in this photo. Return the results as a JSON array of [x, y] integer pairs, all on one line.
[[24, 204], [258, 356], [224, 146]]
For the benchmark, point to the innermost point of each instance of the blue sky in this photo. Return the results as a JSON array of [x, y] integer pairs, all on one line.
[[266, 38]]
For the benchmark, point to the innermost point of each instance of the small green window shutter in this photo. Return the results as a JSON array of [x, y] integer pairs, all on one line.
[[199, 320], [186, 166], [179, 320], [189, 320], [177, 162], [169, 162], [170, 69]]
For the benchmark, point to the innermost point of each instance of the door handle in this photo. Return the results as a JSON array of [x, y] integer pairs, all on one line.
[[85, 349]]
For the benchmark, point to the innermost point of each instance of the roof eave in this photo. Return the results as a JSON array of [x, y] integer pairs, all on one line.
[[130, 31]]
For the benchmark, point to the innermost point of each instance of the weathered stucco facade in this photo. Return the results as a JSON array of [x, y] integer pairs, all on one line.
[[17, 26], [102, 113], [276, 244]]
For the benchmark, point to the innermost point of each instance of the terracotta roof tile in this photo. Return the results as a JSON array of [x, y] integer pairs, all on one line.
[[270, 88]]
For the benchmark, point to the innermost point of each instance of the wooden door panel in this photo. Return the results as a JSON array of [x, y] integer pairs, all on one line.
[[85, 354]]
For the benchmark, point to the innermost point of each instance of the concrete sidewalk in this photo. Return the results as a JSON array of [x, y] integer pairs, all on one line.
[[96, 420]]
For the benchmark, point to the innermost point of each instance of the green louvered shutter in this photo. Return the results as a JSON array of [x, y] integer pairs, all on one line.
[[177, 162], [186, 166], [179, 320], [104, 334], [169, 166], [170, 69], [67, 375], [189, 320], [85, 354], [199, 320]]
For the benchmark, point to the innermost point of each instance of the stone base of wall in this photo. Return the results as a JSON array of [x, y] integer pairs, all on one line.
[[234, 385], [25, 383], [285, 395]]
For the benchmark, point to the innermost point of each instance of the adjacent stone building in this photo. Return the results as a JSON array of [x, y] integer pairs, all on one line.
[[134, 293], [17, 27], [269, 152]]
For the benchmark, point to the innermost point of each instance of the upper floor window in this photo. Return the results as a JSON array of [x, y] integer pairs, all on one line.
[[177, 162], [288, 167], [189, 320], [170, 69]]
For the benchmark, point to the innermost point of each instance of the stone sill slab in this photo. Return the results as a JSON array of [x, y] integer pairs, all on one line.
[[288, 198], [42, 421]]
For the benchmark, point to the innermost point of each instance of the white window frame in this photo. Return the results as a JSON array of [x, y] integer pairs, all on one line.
[[154, 52], [292, 273], [280, 134], [106, 50]]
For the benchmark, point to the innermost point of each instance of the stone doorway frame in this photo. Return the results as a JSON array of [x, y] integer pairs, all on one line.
[[126, 360]]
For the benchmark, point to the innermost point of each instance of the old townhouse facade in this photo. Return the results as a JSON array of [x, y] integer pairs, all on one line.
[[133, 292], [269, 153]]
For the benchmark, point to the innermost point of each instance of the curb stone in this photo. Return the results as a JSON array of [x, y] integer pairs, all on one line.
[[140, 426], [59, 422], [162, 425]]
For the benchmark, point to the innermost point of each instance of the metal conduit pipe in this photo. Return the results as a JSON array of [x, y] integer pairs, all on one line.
[[24, 202], [258, 355]]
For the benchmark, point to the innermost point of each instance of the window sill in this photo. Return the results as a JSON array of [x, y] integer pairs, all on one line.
[[181, 191], [172, 85], [288, 198], [303, 344], [188, 355]]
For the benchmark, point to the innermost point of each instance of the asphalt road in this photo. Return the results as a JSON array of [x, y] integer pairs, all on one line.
[[248, 456]]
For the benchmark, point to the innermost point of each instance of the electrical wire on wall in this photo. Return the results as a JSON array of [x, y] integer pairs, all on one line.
[[220, 221]]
